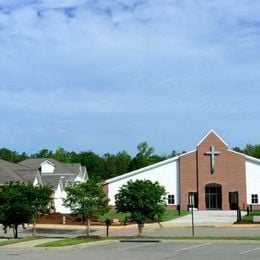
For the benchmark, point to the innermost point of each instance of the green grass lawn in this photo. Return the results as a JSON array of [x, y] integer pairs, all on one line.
[[123, 217], [69, 242], [172, 214], [251, 214]]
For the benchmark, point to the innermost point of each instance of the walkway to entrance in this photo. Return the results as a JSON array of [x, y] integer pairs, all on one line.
[[207, 218]]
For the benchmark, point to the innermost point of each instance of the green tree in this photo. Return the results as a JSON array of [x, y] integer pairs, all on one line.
[[86, 199], [40, 198], [145, 157], [94, 163], [21, 157], [142, 158], [8, 155], [19, 204], [44, 153], [61, 155], [252, 150], [143, 199], [117, 164]]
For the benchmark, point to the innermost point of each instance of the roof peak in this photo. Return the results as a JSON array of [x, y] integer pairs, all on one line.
[[216, 134]]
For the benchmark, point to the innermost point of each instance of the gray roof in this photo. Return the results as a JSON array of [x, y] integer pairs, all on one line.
[[54, 180], [8, 172], [59, 167], [28, 170], [28, 175], [63, 172]]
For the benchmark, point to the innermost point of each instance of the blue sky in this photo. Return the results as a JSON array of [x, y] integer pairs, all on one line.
[[107, 75]]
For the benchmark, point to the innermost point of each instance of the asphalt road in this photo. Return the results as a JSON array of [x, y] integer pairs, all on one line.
[[195, 250], [166, 231]]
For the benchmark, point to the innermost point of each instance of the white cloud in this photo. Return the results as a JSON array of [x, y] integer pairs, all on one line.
[[133, 61]]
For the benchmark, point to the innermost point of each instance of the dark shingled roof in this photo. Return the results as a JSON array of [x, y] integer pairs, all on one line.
[[60, 167], [8, 172], [54, 180], [27, 170], [27, 174]]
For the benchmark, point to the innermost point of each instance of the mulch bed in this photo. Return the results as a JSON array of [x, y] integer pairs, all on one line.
[[246, 222], [57, 218]]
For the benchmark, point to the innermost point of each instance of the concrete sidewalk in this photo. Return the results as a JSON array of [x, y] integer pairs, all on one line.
[[206, 218]]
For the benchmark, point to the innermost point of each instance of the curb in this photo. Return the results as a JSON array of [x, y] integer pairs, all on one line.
[[140, 240]]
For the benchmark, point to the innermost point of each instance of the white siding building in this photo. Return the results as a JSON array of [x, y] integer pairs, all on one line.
[[216, 176]]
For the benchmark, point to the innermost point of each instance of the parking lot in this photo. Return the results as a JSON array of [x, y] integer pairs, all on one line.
[[196, 250]]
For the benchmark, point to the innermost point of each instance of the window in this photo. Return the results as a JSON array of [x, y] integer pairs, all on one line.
[[171, 199], [254, 198]]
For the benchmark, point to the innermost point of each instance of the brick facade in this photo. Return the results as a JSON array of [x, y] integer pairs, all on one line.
[[228, 176]]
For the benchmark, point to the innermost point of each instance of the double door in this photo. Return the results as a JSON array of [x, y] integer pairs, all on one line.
[[213, 196]]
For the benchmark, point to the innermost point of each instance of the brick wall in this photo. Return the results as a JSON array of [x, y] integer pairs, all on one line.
[[188, 177], [195, 173]]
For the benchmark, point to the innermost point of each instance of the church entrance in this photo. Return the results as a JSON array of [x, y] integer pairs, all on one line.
[[233, 200], [213, 196]]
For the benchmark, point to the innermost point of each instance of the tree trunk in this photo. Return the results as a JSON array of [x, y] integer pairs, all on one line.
[[160, 225], [140, 229], [88, 227], [15, 231]]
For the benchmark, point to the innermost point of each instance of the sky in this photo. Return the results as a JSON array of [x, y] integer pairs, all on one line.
[[105, 75]]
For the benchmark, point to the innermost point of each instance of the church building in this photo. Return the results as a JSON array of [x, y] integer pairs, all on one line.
[[214, 176]]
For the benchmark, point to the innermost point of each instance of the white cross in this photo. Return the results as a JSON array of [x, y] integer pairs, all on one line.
[[212, 154]]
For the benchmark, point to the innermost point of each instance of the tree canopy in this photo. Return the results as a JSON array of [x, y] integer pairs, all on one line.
[[40, 198], [110, 165], [21, 202], [143, 199], [103, 166], [86, 199]]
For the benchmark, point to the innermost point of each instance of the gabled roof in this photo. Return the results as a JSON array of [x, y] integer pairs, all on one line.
[[212, 132], [27, 175], [253, 159], [34, 163], [7, 172], [247, 157], [55, 180], [49, 162], [135, 172]]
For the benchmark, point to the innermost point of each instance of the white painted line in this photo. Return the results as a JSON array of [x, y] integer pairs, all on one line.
[[193, 247], [249, 251]]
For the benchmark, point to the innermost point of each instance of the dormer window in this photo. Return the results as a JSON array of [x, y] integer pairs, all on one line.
[[47, 167]]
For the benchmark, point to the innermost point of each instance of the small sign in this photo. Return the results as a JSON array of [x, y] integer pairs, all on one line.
[[191, 200], [116, 221]]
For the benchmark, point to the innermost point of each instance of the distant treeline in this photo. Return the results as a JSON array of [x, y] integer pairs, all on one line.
[[108, 165]]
